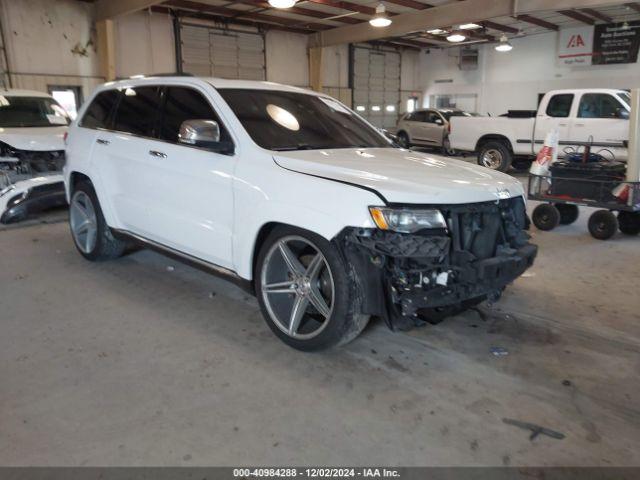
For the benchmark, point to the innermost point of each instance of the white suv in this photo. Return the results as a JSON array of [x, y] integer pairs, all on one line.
[[295, 197]]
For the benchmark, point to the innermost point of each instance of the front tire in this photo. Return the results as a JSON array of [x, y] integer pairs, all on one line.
[[308, 296], [91, 234], [603, 224], [495, 155], [546, 217], [629, 223], [403, 140]]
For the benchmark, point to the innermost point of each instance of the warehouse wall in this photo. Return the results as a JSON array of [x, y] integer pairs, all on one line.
[[50, 43], [514, 80]]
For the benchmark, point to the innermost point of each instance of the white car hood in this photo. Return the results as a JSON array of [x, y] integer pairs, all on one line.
[[405, 176], [37, 139]]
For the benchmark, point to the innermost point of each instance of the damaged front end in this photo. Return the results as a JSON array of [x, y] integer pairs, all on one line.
[[405, 277]]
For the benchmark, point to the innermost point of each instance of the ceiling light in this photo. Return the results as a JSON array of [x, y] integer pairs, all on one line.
[[380, 19], [469, 26], [436, 31], [504, 45], [456, 37], [282, 3]]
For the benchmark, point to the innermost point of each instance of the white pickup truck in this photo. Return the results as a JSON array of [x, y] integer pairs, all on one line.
[[599, 117]]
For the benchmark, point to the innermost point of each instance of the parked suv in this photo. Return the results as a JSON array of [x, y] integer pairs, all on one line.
[[428, 128], [295, 197]]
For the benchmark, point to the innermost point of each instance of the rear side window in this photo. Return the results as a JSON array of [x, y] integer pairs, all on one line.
[[599, 105], [418, 116], [560, 105], [182, 103], [99, 112], [137, 112]]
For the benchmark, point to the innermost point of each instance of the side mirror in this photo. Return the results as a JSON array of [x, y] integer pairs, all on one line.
[[623, 113], [203, 134], [439, 121]]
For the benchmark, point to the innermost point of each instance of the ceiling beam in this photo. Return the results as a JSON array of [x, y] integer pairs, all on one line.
[[114, 8], [302, 11], [537, 21], [411, 4], [259, 17], [596, 14], [351, 7], [633, 5], [498, 26], [581, 17]]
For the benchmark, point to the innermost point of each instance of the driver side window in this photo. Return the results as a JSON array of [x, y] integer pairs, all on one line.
[[181, 104]]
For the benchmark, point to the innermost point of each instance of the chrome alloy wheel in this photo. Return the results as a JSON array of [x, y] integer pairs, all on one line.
[[492, 159], [84, 222], [297, 287]]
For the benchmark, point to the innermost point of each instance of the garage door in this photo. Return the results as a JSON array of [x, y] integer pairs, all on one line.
[[376, 85], [215, 52]]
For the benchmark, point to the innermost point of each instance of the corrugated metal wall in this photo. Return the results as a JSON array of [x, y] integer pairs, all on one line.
[[216, 52]]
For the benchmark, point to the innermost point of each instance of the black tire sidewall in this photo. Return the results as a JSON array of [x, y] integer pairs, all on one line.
[[551, 213], [346, 301], [629, 223], [605, 219], [403, 140], [568, 213]]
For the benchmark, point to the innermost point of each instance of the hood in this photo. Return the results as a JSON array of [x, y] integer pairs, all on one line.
[[37, 139], [405, 176]]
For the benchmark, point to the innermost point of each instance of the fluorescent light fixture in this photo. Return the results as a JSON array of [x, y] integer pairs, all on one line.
[[456, 37], [282, 3], [390, 108], [469, 26], [360, 108], [504, 45], [380, 19], [376, 108], [436, 31]]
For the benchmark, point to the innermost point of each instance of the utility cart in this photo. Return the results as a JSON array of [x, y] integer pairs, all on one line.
[[563, 194]]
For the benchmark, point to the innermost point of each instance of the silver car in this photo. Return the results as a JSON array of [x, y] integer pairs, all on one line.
[[427, 128]]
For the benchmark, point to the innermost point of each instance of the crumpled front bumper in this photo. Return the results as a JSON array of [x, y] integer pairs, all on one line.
[[35, 199]]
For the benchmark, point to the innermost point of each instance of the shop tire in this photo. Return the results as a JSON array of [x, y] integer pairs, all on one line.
[[568, 213], [603, 224], [629, 223], [546, 217]]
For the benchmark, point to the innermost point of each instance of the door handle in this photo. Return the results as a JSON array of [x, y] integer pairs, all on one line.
[[102, 141], [562, 124], [579, 124], [155, 153]]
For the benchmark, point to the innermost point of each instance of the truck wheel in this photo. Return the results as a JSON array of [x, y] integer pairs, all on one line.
[[90, 232], [603, 224], [629, 223], [403, 140], [495, 155], [546, 217], [568, 213], [309, 297]]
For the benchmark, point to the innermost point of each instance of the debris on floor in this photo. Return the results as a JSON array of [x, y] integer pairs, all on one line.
[[499, 351], [535, 429], [170, 268]]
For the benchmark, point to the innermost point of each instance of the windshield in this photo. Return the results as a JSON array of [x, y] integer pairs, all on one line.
[[280, 121], [31, 112], [626, 98]]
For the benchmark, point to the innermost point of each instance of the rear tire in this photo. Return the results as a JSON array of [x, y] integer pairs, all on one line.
[[91, 234], [403, 140], [603, 224], [495, 155], [328, 295], [629, 223], [546, 217], [568, 213]]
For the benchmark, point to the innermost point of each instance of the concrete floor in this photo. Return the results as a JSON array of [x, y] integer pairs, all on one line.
[[132, 363]]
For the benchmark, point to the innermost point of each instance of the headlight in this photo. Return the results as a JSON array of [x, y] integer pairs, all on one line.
[[404, 220]]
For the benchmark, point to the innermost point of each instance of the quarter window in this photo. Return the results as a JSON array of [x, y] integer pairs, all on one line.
[[99, 112], [560, 105], [186, 104], [137, 112], [599, 105]]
